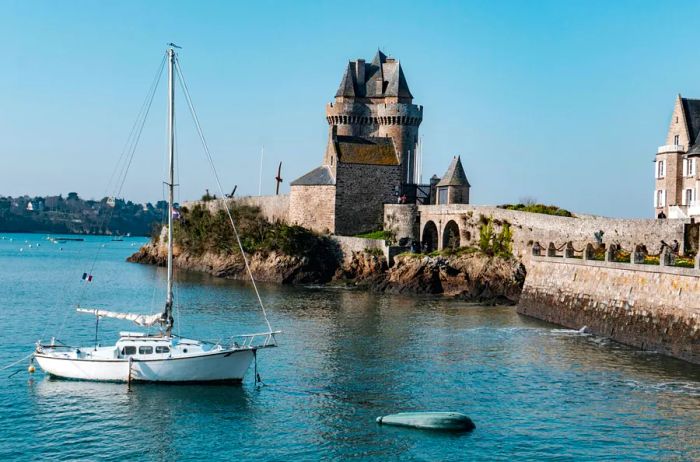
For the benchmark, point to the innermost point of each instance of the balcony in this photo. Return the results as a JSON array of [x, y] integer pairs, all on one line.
[[684, 211], [670, 148]]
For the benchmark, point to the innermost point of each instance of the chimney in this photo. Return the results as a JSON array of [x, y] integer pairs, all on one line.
[[360, 72]]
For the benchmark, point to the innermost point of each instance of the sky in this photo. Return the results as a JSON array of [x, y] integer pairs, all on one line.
[[564, 102]]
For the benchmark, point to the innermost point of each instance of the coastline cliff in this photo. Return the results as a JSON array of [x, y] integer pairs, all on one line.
[[293, 255]]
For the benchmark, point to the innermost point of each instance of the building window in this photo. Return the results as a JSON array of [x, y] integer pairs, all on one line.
[[688, 199], [442, 195], [660, 198], [676, 140], [660, 169]]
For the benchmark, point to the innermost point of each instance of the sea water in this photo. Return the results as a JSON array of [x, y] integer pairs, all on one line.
[[535, 391]]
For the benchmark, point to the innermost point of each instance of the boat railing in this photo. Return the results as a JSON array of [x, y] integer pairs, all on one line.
[[258, 340]]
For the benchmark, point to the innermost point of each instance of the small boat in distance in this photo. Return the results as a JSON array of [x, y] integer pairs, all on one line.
[[63, 240], [163, 356]]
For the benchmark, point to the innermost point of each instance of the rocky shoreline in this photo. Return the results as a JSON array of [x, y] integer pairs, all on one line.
[[474, 277]]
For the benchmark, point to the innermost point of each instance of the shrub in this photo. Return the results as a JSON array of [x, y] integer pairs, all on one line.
[[500, 244], [200, 231]]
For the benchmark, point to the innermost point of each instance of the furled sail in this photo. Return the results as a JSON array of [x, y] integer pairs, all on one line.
[[140, 319]]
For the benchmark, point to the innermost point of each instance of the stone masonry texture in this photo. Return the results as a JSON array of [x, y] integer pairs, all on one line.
[[648, 308]]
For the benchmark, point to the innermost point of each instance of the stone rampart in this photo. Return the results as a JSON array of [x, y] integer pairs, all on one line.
[[273, 208], [645, 306], [528, 228]]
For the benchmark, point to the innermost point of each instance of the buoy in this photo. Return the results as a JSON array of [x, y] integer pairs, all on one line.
[[444, 421], [31, 368]]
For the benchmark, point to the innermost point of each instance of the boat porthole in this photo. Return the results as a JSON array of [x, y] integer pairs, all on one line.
[[185, 350]]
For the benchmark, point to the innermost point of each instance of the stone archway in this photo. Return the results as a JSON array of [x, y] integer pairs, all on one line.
[[429, 241], [450, 236]]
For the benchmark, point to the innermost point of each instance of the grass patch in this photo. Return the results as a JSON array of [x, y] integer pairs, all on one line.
[[380, 234], [538, 208]]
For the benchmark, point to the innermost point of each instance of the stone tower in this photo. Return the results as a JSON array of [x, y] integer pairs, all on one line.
[[374, 101]]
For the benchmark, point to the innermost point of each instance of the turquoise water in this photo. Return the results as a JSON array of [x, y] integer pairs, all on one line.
[[536, 392]]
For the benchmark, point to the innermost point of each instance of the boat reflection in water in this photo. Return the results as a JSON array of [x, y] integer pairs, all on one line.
[[132, 418]]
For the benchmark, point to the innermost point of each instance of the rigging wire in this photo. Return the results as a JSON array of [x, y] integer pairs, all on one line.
[[218, 183]]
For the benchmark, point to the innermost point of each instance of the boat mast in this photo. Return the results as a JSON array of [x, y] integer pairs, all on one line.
[[168, 315]]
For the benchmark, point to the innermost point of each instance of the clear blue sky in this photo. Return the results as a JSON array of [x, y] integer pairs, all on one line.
[[562, 101]]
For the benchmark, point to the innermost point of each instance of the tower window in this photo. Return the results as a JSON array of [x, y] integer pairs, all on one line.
[[660, 169], [442, 195], [676, 140]]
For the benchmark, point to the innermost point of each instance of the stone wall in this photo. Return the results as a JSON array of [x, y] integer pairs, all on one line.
[[535, 227], [273, 208], [648, 307], [313, 207], [361, 192], [349, 244]]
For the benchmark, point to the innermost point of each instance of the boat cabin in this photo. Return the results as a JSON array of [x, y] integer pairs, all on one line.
[[142, 346]]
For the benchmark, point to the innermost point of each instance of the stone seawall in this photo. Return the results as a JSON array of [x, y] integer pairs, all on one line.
[[273, 208], [648, 307]]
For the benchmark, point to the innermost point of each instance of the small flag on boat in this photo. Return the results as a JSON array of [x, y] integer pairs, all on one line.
[[87, 277]]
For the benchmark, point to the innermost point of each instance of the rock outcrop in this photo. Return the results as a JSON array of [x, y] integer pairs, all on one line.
[[267, 266], [472, 276]]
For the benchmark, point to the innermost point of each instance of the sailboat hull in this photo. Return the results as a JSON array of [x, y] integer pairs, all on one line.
[[213, 367]]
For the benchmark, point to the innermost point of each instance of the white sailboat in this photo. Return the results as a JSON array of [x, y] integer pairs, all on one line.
[[161, 357]]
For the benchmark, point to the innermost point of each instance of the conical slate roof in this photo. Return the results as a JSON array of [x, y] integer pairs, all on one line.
[[454, 176]]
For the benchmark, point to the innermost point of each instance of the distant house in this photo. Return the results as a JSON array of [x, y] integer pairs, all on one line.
[[30, 206]]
